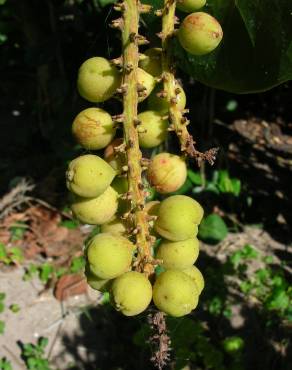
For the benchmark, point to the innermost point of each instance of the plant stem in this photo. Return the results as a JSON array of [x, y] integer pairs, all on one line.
[[134, 156]]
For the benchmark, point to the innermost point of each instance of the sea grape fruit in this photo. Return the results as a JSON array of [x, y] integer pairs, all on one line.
[[167, 172], [147, 81], [178, 255], [115, 226], [194, 273], [120, 184], [131, 293], [161, 104], [178, 218], [97, 79], [175, 293], [151, 208], [151, 62], [189, 6], [115, 159], [96, 211], [200, 33], [153, 129], [109, 255], [96, 283], [89, 176], [93, 128]]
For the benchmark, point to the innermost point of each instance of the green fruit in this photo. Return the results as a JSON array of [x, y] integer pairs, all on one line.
[[233, 344], [194, 273], [151, 63], [178, 218], [109, 255], [167, 172], [89, 176], [178, 255], [189, 6], [94, 282], [120, 184], [97, 79], [175, 293], [96, 211], [115, 159], [131, 293], [151, 208], [200, 33], [93, 128], [153, 129], [147, 81], [116, 226], [161, 104]]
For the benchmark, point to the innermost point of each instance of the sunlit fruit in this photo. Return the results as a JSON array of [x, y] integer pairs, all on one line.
[[189, 6], [115, 226], [200, 33], [153, 129], [167, 172], [146, 84], [161, 104], [116, 159], [97, 79], [93, 128], [178, 218], [89, 176], [178, 255], [197, 276], [109, 255], [94, 282], [175, 293], [96, 211], [131, 293], [151, 61]]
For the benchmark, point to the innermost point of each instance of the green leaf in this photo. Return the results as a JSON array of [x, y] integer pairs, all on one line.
[[3, 253], [195, 177], [14, 308], [70, 224], [2, 327], [2, 296], [212, 229], [77, 264], [16, 254], [279, 300], [2, 2], [233, 344], [256, 51], [185, 188], [46, 272]]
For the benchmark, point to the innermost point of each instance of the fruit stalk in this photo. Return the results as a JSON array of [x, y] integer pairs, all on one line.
[[176, 117], [134, 156]]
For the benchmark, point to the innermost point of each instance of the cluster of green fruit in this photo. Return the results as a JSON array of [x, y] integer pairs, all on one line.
[[100, 190]]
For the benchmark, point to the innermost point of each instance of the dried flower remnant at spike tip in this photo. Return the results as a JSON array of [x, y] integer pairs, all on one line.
[[109, 255], [200, 33], [178, 218], [153, 129], [93, 128], [167, 172], [190, 6], [175, 293], [89, 176], [131, 293], [98, 80], [96, 211], [178, 255]]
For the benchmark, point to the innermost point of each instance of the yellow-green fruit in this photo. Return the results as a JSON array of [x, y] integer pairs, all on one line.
[[167, 172], [109, 255], [175, 293], [94, 282], [194, 273], [89, 176], [116, 226], [96, 211], [131, 293], [178, 218], [151, 208], [161, 104], [115, 159], [147, 81], [200, 33], [97, 79], [189, 6], [153, 129], [151, 62], [178, 255], [120, 184], [93, 128]]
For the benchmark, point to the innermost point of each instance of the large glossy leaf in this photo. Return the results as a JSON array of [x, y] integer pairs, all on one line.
[[256, 52]]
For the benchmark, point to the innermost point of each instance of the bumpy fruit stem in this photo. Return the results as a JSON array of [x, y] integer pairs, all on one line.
[[176, 117], [130, 40]]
